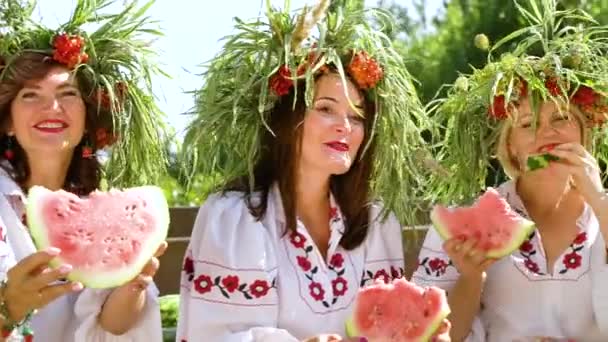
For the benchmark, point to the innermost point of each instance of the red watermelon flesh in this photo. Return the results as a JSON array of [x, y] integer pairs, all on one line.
[[498, 229], [107, 237], [399, 311]]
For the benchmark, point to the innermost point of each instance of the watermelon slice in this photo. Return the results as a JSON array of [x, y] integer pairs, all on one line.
[[539, 161], [107, 237], [498, 229], [400, 311]]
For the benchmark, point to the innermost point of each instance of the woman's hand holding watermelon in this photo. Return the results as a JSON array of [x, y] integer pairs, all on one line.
[[583, 168], [469, 261], [586, 178], [30, 284], [124, 305], [146, 276], [465, 297]]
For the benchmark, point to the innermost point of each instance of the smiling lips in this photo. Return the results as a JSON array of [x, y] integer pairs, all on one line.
[[338, 146], [51, 126]]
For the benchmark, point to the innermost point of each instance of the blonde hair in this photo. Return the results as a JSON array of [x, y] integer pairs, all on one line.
[[509, 163]]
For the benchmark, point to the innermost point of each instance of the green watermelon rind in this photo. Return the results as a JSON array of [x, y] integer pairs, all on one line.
[[155, 199], [525, 227], [352, 331], [539, 161]]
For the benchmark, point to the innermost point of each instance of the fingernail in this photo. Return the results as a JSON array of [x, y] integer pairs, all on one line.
[[65, 268], [53, 251], [77, 286]]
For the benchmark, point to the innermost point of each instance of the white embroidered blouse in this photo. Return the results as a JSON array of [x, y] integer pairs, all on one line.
[[521, 299], [244, 280], [73, 317]]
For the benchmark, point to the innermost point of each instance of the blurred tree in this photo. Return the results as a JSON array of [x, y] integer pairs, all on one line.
[[437, 50]]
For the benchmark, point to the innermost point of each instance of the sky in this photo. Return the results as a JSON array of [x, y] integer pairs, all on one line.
[[192, 32]]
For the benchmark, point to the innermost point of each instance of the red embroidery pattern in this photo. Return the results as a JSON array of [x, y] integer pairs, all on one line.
[[188, 268], [336, 265], [436, 266], [230, 284], [573, 260], [382, 274], [528, 251]]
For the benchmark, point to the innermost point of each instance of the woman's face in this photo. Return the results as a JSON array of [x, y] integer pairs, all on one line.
[[332, 130], [553, 128], [48, 115]]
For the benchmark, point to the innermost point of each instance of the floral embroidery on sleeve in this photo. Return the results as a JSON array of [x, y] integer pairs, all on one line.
[[220, 284], [382, 274], [188, 268], [230, 284], [435, 266]]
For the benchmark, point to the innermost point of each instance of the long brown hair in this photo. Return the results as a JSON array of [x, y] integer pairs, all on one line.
[[84, 174], [280, 150]]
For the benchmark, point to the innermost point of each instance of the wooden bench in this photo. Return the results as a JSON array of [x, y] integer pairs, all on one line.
[[182, 219]]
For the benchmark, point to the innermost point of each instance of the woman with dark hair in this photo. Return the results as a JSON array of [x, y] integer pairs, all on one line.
[[310, 141], [58, 107]]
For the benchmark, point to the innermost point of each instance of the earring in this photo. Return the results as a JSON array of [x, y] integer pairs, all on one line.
[[87, 150], [9, 154]]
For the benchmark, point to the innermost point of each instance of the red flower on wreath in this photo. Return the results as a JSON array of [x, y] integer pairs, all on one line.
[[259, 288], [552, 86], [103, 138], [585, 97], [68, 50], [280, 82], [497, 109], [365, 71]]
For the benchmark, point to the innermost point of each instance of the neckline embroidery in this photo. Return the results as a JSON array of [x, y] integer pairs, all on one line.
[[310, 269], [530, 260]]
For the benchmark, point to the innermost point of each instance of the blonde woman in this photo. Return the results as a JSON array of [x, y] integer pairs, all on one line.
[[553, 285]]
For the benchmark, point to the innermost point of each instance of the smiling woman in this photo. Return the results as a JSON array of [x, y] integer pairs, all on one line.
[[318, 144], [64, 95], [48, 123], [527, 103]]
